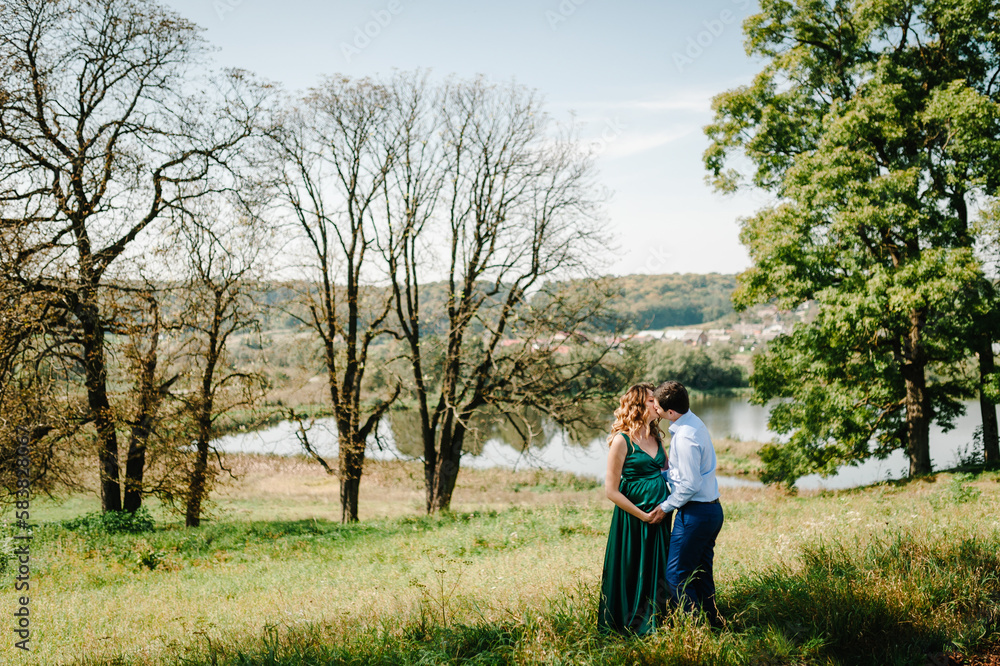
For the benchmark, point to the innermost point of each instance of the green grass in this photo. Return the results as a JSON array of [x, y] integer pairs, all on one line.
[[892, 574], [898, 601], [738, 458]]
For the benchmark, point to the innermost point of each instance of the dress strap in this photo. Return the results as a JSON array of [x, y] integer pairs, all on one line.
[[628, 440]]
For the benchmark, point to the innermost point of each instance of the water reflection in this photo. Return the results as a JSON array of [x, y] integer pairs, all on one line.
[[733, 417], [534, 439], [523, 432]]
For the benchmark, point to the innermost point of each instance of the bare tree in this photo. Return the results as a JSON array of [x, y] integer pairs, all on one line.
[[515, 209], [224, 251], [99, 134], [334, 153], [150, 391]]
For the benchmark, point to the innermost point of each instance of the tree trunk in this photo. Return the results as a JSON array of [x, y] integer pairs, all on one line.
[[917, 422], [430, 447], [449, 461], [987, 365], [430, 475], [149, 403], [196, 489], [206, 405], [135, 467], [426, 431], [96, 379], [918, 417], [447, 475], [349, 499], [352, 460], [198, 485]]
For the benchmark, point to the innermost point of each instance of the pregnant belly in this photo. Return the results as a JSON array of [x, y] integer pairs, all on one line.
[[644, 492]]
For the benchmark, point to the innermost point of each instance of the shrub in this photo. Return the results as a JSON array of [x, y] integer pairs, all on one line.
[[112, 522]]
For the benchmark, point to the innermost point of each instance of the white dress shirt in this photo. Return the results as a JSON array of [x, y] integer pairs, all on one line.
[[692, 463]]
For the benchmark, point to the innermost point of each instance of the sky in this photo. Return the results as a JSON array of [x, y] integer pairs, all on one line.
[[638, 77]]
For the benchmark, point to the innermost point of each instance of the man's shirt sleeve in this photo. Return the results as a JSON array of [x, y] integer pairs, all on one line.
[[685, 472]]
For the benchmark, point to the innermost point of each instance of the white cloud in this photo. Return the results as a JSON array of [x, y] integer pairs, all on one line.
[[694, 101], [629, 144]]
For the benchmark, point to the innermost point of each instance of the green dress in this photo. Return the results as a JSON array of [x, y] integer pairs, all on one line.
[[634, 592]]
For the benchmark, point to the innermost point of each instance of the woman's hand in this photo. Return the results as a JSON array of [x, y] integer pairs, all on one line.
[[655, 516]]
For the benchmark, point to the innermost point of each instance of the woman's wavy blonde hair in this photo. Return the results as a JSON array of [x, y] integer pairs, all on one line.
[[630, 417]]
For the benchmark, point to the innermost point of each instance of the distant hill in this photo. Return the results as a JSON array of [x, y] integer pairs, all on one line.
[[645, 301], [675, 299]]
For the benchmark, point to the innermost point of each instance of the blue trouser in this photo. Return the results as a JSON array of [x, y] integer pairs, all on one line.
[[692, 550]]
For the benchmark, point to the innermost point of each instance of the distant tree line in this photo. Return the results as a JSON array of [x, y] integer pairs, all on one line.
[[674, 299], [639, 302], [699, 368]]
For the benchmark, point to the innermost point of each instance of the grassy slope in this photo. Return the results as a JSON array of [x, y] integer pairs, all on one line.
[[892, 573]]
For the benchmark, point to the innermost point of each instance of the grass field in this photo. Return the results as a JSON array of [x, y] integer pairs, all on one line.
[[892, 574]]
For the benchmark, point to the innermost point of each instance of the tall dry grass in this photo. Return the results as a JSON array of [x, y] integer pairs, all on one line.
[[896, 573]]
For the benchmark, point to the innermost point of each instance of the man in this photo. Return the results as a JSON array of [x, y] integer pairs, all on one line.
[[695, 497]]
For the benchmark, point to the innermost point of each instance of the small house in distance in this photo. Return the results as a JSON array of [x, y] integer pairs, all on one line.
[[645, 336], [719, 335], [691, 337]]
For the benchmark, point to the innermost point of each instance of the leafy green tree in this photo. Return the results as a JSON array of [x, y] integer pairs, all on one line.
[[875, 125]]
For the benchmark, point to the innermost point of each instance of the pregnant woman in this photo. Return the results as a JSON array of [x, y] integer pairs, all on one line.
[[634, 592]]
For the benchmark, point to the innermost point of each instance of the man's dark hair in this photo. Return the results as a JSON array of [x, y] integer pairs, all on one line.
[[672, 395]]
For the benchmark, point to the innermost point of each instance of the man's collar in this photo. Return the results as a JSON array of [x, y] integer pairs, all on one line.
[[683, 420]]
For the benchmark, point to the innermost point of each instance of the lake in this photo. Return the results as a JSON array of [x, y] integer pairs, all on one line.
[[584, 453]]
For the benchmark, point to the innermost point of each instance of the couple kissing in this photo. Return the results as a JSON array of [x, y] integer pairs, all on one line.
[[667, 513]]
